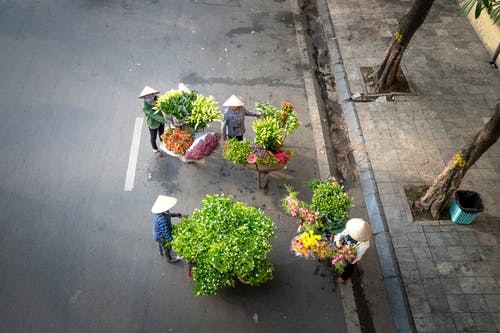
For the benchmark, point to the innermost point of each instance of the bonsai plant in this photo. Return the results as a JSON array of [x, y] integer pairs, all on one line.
[[225, 240]]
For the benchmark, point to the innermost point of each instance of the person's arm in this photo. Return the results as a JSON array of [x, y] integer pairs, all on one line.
[[224, 127], [338, 237], [251, 113], [156, 115], [361, 248]]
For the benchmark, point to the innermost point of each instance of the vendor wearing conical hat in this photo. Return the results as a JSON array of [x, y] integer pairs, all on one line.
[[357, 232], [233, 124], [162, 225], [154, 118]]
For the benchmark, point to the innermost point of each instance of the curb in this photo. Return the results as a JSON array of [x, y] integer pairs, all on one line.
[[398, 301], [346, 291]]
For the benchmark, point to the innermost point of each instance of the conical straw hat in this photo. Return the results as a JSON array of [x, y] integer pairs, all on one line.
[[233, 101], [163, 203], [359, 230], [148, 91]]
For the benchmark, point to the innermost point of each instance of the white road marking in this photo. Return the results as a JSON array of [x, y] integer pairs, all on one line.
[[134, 152]]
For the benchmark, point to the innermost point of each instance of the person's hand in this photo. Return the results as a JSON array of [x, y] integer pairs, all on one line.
[[260, 114], [338, 244], [224, 137]]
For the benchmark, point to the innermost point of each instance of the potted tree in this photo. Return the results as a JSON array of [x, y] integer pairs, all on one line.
[[225, 241]]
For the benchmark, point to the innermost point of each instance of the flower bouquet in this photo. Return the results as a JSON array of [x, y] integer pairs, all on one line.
[[324, 216], [328, 210], [311, 245], [177, 140], [188, 108], [188, 113], [343, 255], [266, 153]]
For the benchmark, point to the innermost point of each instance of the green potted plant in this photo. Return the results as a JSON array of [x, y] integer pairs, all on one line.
[[225, 241]]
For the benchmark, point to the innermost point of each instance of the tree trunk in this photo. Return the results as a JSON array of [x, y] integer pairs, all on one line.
[[388, 73], [439, 196]]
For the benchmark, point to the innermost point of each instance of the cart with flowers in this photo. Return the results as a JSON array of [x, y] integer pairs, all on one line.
[[188, 113], [319, 221], [266, 154]]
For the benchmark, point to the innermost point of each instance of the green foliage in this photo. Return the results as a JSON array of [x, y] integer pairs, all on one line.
[[492, 7], [204, 111], [331, 201], [268, 134], [225, 239], [286, 116], [177, 103], [196, 110], [237, 151]]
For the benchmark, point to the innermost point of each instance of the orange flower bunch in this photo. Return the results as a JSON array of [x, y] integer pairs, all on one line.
[[177, 140], [287, 107]]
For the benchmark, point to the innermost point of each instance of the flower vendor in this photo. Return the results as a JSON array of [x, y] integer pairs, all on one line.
[[233, 124], [162, 225], [154, 119], [357, 232]]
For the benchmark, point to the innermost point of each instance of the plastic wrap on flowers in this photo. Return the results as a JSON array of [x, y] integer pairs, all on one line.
[[203, 146]]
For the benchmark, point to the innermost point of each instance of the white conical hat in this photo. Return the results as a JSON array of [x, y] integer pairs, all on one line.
[[233, 101], [359, 230], [163, 203], [148, 91]]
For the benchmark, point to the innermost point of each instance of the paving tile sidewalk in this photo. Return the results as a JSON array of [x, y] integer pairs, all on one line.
[[450, 272]]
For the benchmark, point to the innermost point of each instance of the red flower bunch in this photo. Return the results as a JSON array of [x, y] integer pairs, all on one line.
[[177, 140]]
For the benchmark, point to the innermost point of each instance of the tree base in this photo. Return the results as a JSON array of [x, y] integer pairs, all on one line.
[[400, 87], [413, 193]]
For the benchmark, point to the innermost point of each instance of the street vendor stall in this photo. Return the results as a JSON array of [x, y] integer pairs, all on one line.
[[267, 153], [188, 113]]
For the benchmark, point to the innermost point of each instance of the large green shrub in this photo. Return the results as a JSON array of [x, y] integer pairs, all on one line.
[[225, 240], [331, 201]]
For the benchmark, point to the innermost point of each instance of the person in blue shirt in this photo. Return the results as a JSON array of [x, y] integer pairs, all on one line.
[[233, 124], [162, 225]]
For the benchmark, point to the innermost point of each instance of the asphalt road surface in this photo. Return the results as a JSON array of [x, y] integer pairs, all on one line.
[[76, 248]]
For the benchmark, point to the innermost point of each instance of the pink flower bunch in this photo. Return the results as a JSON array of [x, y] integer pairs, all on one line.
[[342, 256], [203, 147], [308, 216], [293, 205]]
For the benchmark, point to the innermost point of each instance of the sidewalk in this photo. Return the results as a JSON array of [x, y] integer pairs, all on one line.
[[449, 274]]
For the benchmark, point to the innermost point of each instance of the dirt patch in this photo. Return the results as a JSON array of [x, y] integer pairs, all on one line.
[[401, 87], [413, 193], [344, 164]]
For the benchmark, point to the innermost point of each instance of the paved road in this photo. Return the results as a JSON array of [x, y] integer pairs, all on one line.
[[77, 254]]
